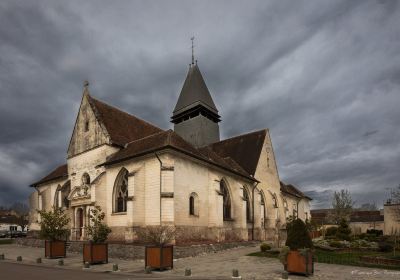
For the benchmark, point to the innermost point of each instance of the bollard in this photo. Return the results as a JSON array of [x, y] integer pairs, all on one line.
[[285, 275], [2, 257], [115, 267], [39, 260], [148, 269], [235, 274], [19, 259], [86, 265], [188, 272], [61, 262]]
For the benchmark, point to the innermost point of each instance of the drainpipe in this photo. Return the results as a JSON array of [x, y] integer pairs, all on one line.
[[252, 224], [161, 166]]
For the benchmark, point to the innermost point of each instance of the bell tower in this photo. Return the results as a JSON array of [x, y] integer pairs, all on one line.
[[195, 116]]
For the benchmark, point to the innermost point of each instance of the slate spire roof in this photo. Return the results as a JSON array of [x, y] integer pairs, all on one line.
[[194, 93]]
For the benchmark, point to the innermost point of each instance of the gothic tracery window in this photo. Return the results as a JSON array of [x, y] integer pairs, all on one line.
[[121, 191], [226, 200]]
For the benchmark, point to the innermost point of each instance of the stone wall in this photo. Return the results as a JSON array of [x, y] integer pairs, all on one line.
[[132, 251]]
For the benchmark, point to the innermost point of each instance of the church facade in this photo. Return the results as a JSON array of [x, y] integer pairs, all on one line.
[[141, 175]]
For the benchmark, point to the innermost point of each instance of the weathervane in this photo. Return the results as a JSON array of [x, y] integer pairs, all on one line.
[[192, 50]]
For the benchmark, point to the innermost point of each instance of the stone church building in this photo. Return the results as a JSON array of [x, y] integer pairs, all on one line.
[[141, 175]]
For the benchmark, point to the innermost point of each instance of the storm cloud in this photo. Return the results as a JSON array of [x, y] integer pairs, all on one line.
[[323, 76]]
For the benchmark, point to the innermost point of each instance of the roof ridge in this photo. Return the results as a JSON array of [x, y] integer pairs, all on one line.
[[148, 136], [241, 135]]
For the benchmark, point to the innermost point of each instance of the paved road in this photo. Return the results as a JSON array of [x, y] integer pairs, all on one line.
[[15, 271]]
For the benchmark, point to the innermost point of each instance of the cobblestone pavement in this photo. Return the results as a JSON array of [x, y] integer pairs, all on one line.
[[216, 265]]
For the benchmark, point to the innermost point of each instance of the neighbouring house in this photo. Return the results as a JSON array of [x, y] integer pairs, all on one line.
[[360, 220], [142, 175], [392, 218]]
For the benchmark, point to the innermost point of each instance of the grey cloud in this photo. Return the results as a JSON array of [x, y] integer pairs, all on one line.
[[324, 76]]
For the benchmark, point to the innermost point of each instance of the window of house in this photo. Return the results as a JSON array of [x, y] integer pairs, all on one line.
[[121, 191], [226, 210], [87, 126]]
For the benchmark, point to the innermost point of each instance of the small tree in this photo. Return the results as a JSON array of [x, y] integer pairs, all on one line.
[[298, 236], [53, 224], [157, 235], [98, 230], [343, 231], [342, 205]]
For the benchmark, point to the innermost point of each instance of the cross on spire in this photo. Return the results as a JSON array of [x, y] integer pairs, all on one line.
[[192, 50]]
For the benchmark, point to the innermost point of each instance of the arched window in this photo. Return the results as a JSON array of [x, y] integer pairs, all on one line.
[[193, 204], [85, 179], [226, 200], [61, 195], [263, 208], [285, 208], [246, 198], [121, 191], [274, 200]]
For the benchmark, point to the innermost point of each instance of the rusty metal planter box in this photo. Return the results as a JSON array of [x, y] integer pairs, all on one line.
[[54, 249], [299, 264], [94, 253], [159, 257]]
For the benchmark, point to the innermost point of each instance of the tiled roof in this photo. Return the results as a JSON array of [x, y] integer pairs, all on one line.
[[121, 126], [245, 149], [292, 190], [169, 139], [60, 172]]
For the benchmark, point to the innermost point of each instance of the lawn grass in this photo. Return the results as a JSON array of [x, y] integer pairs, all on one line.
[[6, 241], [341, 258]]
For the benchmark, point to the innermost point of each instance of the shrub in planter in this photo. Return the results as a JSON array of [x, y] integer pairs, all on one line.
[[53, 228], [96, 251], [299, 258], [265, 247], [343, 231], [159, 253]]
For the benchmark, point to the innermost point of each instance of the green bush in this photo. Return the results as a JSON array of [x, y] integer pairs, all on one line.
[[336, 244], [265, 247], [343, 231], [361, 236], [298, 236], [371, 237], [385, 247], [331, 231], [98, 231], [53, 224], [375, 232]]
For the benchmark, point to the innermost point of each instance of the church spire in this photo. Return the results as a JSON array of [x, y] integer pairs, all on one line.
[[195, 116]]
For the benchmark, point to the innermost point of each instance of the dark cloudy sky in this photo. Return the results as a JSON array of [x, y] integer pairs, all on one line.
[[323, 76]]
